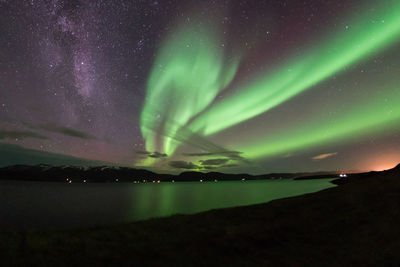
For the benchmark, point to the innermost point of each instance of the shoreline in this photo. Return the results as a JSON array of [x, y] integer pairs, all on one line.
[[355, 223]]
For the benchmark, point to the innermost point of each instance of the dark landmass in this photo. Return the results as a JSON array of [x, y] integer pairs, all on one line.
[[353, 224], [51, 173]]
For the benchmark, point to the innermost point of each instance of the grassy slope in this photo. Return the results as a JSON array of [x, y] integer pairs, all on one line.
[[356, 223]]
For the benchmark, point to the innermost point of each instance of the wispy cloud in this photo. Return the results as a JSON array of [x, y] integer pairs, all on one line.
[[180, 164], [152, 154], [158, 155], [65, 131], [20, 135], [141, 152], [221, 153], [209, 164], [324, 156], [213, 161]]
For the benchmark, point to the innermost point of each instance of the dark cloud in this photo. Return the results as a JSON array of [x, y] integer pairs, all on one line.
[[155, 154], [180, 164], [143, 152], [210, 164], [66, 131], [195, 139], [225, 153], [198, 154], [228, 165], [158, 155], [20, 135], [214, 161]]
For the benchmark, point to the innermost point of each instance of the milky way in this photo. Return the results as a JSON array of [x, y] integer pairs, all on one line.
[[65, 63], [257, 86]]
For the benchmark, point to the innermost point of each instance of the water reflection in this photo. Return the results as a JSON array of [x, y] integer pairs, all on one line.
[[57, 205]]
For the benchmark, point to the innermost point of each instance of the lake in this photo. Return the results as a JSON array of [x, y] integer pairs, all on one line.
[[46, 205]]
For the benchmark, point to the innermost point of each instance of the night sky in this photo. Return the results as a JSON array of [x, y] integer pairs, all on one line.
[[229, 86]]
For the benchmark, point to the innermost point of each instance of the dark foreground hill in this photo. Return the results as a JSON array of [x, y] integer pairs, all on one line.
[[356, 223]]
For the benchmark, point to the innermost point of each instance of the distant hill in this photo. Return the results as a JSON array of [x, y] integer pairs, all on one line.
[[44, 172]]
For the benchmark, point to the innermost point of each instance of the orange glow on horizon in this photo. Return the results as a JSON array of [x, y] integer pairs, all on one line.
[[383, 162], [384, 167]]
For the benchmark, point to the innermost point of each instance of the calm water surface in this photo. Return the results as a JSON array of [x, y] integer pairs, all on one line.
[[43, 205]]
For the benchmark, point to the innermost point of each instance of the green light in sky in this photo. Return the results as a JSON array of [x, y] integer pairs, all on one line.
[[187, 74], [378, 112], [189, 71], [369, 34]]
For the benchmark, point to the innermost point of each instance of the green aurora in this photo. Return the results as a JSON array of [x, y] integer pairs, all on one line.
[[370, 34], [382, 114], [190, 72]]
